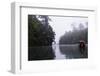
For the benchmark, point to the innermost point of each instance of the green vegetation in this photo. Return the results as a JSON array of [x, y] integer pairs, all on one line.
[[40, 33]]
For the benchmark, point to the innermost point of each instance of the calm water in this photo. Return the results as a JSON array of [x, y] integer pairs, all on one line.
[[56, 52], [68, 51]]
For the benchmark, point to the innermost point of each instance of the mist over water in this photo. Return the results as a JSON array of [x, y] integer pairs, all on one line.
[[61, 25], [54, 37]]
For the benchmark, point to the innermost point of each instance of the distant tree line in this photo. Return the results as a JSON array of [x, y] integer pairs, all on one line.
[[75, 36]]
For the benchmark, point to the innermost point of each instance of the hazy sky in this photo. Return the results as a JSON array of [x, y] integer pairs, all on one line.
[[62, 24]]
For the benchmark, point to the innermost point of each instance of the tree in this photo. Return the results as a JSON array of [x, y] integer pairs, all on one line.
[[39, 33], [81, 26], [73, 37]]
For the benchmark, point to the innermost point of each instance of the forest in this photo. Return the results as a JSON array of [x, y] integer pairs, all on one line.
[[40, 33], [41, 36], [76, 35]]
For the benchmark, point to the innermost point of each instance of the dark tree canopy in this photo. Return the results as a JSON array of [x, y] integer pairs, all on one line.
[[40, 33]]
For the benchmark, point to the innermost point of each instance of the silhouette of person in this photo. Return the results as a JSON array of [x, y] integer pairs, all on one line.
[[82, 47]]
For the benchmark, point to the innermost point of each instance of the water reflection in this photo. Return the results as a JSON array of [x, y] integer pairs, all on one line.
[[58, 54], [40, 53], [73, 51], [55, 52]]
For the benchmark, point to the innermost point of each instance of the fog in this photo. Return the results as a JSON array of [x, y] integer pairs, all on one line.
[[64, 24]]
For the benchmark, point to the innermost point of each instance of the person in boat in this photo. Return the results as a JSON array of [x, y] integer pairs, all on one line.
[[82, 47]]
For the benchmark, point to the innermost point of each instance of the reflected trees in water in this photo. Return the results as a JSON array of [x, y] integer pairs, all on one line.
[[40, 35], [47, 41], [70, 42]]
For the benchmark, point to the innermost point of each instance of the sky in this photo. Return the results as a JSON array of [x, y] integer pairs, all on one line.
[[64, 24]]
